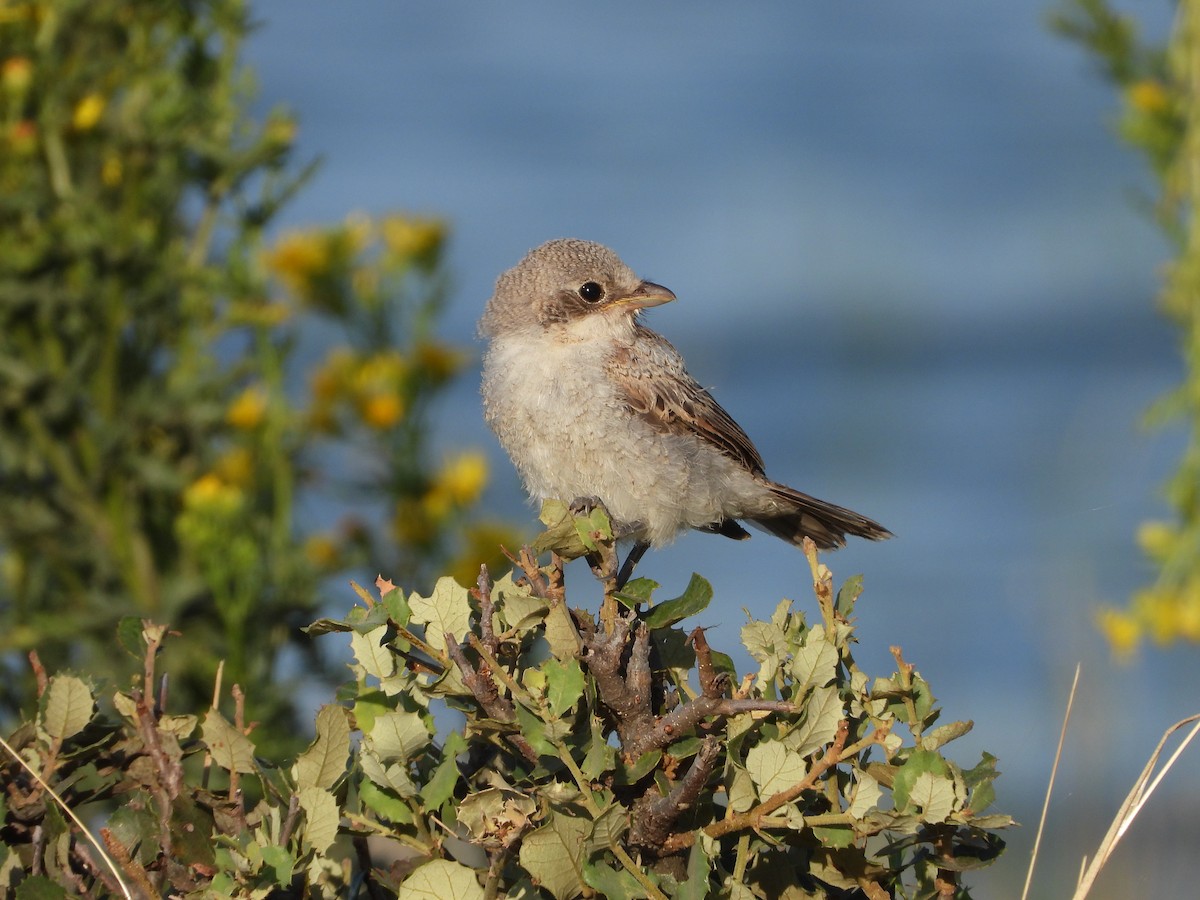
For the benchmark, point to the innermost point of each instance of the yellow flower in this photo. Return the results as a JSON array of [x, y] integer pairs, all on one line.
[[438, 361], [298, 257], [209, 494], [1121, 630], [412, 239], [463, 477], [322, 551], [112, 171], [248, 409], [382, 410], [88, 112], [23, 137], [17, 74], [1148, 96], [236, 467], [1156, 539]]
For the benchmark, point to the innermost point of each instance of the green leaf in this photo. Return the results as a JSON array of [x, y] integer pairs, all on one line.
[[535, 730], [321, 817], [384, 803], [67, 706], [564, 684], [282, 861], [694, 599], [835, 836], [612, 883], [553, 855], [698, 866], [847, 594], [446, 610], [919, 762], [230, 749], [640, 590], [441, 879], [440, 786], [774, 767], [130, 636], [643, 766], [39, 887], [324, 762]]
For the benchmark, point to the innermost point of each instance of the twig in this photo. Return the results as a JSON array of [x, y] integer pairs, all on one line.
[[751, 817]]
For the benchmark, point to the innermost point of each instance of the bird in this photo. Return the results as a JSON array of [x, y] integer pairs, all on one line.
[[593, 406]]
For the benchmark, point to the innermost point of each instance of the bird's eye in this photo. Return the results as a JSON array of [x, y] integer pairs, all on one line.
[[591, 292]]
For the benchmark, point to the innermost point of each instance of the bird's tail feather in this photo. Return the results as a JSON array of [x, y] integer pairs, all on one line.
[[796, 516]]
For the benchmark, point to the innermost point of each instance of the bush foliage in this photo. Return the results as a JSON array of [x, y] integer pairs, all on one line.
[[495, 742]]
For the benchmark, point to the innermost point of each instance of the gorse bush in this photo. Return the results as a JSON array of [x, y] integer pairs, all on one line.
[[616, 757], [153, 448], [1160, 117]]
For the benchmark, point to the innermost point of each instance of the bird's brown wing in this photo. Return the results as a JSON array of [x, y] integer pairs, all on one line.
[[656, 386]]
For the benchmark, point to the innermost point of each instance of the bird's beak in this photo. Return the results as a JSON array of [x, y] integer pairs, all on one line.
[[645, 295]]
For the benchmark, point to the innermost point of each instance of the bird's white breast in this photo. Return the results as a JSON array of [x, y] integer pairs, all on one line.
[[552, 404]]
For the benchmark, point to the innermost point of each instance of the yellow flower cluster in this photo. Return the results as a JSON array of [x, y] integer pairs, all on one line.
[[375, 387], [1164, 613], [210, 495], [88, 112], [1148, 96], [298, 258], [248, 409], [455, 486], [412, 239]]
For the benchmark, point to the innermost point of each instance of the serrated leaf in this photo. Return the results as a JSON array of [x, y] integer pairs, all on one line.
[[376, 660], [774, 767], [698, 866], [741, 791], [835, 836], [446, 610], [764, 641], [553, 855], [230, 749], [640, 590], [67, 706], [518, 607], [396, 736], [564, 684], [384, 802], [324, 762], [560, 535], [822, 713], [321, 817], [694, 599], [815, 664], [441, 879]]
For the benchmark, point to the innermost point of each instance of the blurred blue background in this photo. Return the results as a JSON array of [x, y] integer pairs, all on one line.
[[909, 261]]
